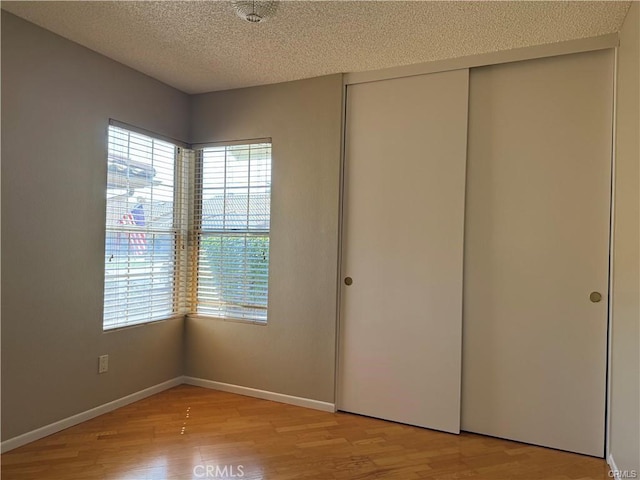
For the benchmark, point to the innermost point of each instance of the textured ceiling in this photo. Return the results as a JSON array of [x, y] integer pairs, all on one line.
[[200, 46]]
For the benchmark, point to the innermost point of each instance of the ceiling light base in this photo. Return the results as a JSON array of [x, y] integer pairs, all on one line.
[[254, 11]]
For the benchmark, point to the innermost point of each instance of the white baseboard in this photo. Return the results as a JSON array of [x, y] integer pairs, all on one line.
[[47, 430], [613, 467], [265, 395], [55, 427]]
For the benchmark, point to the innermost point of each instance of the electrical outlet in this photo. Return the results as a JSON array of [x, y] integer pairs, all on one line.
[[103, 363]]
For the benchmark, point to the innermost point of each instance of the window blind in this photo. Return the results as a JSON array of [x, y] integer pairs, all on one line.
[[145, 229], [231, 222]]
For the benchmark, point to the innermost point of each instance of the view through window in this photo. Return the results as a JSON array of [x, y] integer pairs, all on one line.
[[140, 257], [233, 220]]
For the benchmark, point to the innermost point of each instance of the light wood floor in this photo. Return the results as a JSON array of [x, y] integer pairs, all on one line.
[[178, 433]]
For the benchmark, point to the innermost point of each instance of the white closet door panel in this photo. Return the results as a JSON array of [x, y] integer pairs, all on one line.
[[400, 341], [536, 246]]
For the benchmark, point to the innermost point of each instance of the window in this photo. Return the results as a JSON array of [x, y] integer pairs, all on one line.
[[155, 189], [144, 229], [231, 228]]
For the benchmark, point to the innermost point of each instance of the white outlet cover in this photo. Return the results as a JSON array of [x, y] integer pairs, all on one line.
[[103, 363]]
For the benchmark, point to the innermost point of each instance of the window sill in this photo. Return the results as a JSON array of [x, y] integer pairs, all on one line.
[[225, 319], [145, 324]]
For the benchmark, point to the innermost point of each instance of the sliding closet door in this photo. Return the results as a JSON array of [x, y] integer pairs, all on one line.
[[400, 339], [536, 251]]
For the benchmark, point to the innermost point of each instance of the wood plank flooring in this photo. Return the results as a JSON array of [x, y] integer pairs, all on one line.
[[192, 433]]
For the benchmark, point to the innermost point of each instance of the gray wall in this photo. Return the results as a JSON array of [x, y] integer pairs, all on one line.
[[294, 353], [57, 98], [625, 356]]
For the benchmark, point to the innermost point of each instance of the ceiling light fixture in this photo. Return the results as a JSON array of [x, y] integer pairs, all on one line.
[[254, 11]]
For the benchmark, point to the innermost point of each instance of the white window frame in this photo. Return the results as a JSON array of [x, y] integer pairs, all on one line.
[[188, 234], [219, 307], [177, 230]]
